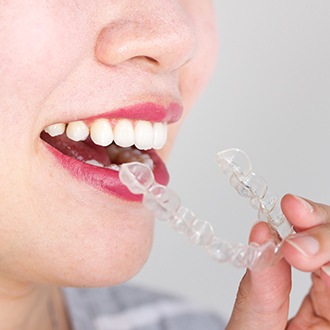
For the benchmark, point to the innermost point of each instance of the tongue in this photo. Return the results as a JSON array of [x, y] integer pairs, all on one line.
[[83, 150]]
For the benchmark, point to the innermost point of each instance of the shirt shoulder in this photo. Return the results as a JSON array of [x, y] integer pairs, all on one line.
[[128, 307]]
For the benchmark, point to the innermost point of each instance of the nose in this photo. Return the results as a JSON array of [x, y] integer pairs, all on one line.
[[158, 35]]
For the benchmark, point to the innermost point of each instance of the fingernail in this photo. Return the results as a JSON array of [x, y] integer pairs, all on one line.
[[326, 269], [306, 245], [305, 204]]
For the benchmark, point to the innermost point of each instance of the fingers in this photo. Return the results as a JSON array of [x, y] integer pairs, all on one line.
[[271, 285], [263, 297], [303, 213], [309, 250], [325, 274], [260, 233], [314, 311]]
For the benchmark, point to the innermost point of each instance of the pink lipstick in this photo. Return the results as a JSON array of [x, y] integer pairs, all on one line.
[[72, 155]]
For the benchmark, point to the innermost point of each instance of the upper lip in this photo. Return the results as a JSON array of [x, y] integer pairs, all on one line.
[[107, 179], [149, 111], [146, 111]]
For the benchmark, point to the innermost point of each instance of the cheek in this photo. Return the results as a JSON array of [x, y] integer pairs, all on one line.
[[32, 58], [73, 245], [195, 75]]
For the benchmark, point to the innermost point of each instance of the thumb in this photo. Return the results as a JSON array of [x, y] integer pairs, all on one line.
[[309, 250], [263, 297]]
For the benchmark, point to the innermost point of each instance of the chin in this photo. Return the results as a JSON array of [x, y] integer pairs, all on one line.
[[106, 261], [125, 267]]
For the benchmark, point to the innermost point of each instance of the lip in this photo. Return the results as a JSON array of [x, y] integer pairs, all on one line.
[[108, 180], [104, 179], [145, 111]]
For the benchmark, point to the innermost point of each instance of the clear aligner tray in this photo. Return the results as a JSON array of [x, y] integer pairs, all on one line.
[[165, 205]]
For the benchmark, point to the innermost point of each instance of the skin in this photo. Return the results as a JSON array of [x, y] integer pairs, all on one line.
[[64, 61], [67, 60], [263, 298]]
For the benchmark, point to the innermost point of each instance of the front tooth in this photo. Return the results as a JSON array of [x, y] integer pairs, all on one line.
[[160, 135], [101, 132], [144, 135], [114, 167], [94, 163], [77, 131], [56, 129], [124, 133]]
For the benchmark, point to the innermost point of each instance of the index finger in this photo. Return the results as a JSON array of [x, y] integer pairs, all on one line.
[[303, 213]]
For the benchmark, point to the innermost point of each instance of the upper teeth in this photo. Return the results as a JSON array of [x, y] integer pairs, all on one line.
[[125, 133]]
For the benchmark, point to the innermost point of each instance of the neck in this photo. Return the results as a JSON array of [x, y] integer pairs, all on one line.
[[30, 307]]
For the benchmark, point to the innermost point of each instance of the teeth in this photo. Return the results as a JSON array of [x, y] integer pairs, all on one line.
[[94, 163], [119, 155], [77, 131], [127, 155], [114, 167], [144, 135], [160, 135], [125, 133], [56, 129], [101, 132]]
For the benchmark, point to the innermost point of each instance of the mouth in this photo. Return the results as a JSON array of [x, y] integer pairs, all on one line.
[[93, 149]]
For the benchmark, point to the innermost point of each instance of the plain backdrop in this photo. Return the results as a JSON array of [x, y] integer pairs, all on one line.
[[270, 97]]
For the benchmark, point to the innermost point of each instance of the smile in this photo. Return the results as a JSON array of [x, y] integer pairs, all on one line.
[[93, 149], [123, 132]]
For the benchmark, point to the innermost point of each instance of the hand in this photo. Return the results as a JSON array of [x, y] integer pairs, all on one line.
[[263, 297], [310, 249]]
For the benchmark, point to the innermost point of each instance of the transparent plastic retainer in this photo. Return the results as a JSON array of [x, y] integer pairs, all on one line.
[[165, 205]]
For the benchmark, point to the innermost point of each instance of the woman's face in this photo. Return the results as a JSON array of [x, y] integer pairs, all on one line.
[[115, 68]]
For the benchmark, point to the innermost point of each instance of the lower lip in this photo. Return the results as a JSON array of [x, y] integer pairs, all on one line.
[[107, 180]]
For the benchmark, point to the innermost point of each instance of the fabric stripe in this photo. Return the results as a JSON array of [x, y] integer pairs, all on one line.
[[145, 315], [128, 307]]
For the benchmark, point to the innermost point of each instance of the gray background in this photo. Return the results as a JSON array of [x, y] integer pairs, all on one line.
[[270, 97]]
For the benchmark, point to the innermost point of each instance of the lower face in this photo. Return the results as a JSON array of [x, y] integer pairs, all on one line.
[[68, 121]]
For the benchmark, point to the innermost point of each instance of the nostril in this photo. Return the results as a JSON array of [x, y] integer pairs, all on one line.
[[158, 44], [147, 62], [149, 59]]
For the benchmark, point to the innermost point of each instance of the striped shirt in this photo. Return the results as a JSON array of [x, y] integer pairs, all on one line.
[[127, 307]]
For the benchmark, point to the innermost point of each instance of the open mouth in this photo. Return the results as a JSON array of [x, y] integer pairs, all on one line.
[[94, 150]]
